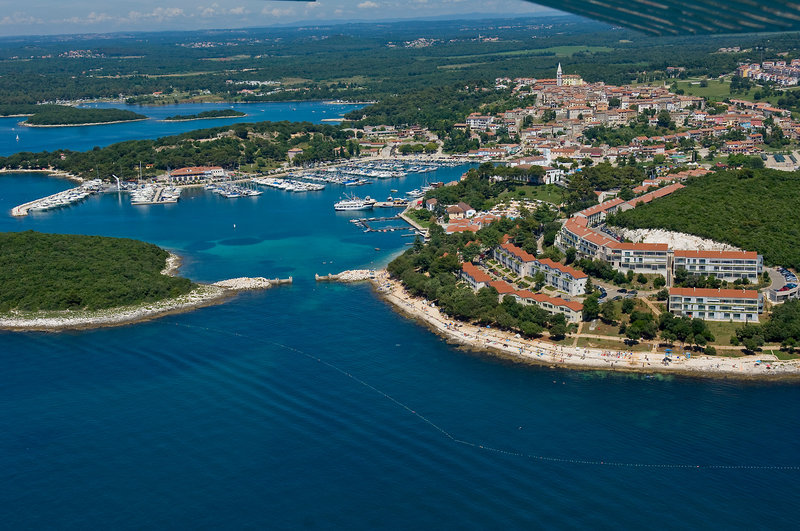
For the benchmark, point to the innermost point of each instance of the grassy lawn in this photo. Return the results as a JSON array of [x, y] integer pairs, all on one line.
[[612, 345], [549, 193], [783, 355], [421, 216], [723, 331], [715, 90]]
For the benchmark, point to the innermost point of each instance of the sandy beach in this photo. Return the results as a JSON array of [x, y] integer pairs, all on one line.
[[540, 352]]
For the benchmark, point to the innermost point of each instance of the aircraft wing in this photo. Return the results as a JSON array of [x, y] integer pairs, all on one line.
[[687, 17], [683, 17]]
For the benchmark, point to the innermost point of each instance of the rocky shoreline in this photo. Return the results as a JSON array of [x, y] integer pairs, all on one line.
[[26, 124], [511, 346], [203, 295]]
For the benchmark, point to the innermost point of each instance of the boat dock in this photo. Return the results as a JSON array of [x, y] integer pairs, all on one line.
[[60, 199], [364, 223]]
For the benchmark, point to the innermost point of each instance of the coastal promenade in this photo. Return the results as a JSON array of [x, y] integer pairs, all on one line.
[[513, 346]]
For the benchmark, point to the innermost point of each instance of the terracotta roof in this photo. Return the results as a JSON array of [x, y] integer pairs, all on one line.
[[601, 207], [475, 272], [519, 253], [502, 286], [555, 301], [574, 273], [705, 292], [625, 246], [723, 255], [194, 170]]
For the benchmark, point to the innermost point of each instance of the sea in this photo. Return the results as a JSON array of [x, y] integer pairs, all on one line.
[[317, 406]]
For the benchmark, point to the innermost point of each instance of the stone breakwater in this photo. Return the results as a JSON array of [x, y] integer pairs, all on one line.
[[244, 283], [353, 275]]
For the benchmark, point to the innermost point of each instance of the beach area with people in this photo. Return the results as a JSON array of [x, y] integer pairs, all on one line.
[[565, 354]]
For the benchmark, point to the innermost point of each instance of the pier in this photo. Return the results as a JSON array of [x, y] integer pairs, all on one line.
[[59, 200], [364, 223]]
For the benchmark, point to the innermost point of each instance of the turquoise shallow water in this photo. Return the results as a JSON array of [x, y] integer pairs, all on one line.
[[315, 405], [84, 138]]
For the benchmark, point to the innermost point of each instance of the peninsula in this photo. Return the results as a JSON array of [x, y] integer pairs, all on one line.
[[206, 115], [65, 116], [56, 282]]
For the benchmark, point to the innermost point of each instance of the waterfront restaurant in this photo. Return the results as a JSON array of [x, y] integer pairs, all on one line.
[[195, 174]]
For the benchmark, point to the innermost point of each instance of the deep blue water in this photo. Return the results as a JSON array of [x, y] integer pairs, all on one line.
[[84, 138], [316, 406]]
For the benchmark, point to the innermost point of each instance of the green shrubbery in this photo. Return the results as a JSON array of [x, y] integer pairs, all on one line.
[[62, 272], [752, 209]]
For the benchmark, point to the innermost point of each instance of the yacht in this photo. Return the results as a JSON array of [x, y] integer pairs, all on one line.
[[354, 203]]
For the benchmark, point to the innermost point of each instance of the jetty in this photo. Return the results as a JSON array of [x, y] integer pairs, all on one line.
[[364, 223], [251, 283], [352, 275], [60, 199]]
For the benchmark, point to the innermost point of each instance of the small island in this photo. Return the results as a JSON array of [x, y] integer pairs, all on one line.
[[206, 115], [63, 116], [56, 282]]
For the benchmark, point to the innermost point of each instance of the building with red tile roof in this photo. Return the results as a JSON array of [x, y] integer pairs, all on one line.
[[724, 265], [474, 276], [572, 310], [738, 305], [524, 264]]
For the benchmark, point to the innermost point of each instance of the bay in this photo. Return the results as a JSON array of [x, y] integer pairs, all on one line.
[[317, 406], [82, 138]]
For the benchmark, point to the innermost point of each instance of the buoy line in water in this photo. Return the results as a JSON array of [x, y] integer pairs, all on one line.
[[483, 447]]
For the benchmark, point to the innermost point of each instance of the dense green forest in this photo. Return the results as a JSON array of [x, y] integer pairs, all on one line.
[[64, 115], [752, 209], [65, 272], [262, 144], [221, 113]]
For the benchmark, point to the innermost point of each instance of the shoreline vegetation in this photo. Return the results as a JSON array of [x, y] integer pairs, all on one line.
[[27, 124], [65, 116], [207, 115], [56, 282], [492, 341]]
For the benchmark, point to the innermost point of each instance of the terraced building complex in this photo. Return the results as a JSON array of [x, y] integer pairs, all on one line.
[[737, 305]]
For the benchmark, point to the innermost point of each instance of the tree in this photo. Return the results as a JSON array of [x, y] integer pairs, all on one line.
[[591, 308], [569, 255], [608, 312], [558, 332], [628, 305], [665, 120], [641, 279], [589, 288]]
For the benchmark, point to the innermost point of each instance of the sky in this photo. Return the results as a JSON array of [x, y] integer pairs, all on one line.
[[37, 17]]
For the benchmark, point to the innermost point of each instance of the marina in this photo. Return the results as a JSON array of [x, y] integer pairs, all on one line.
[[59, 200], [359, 173], [155, 195]]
